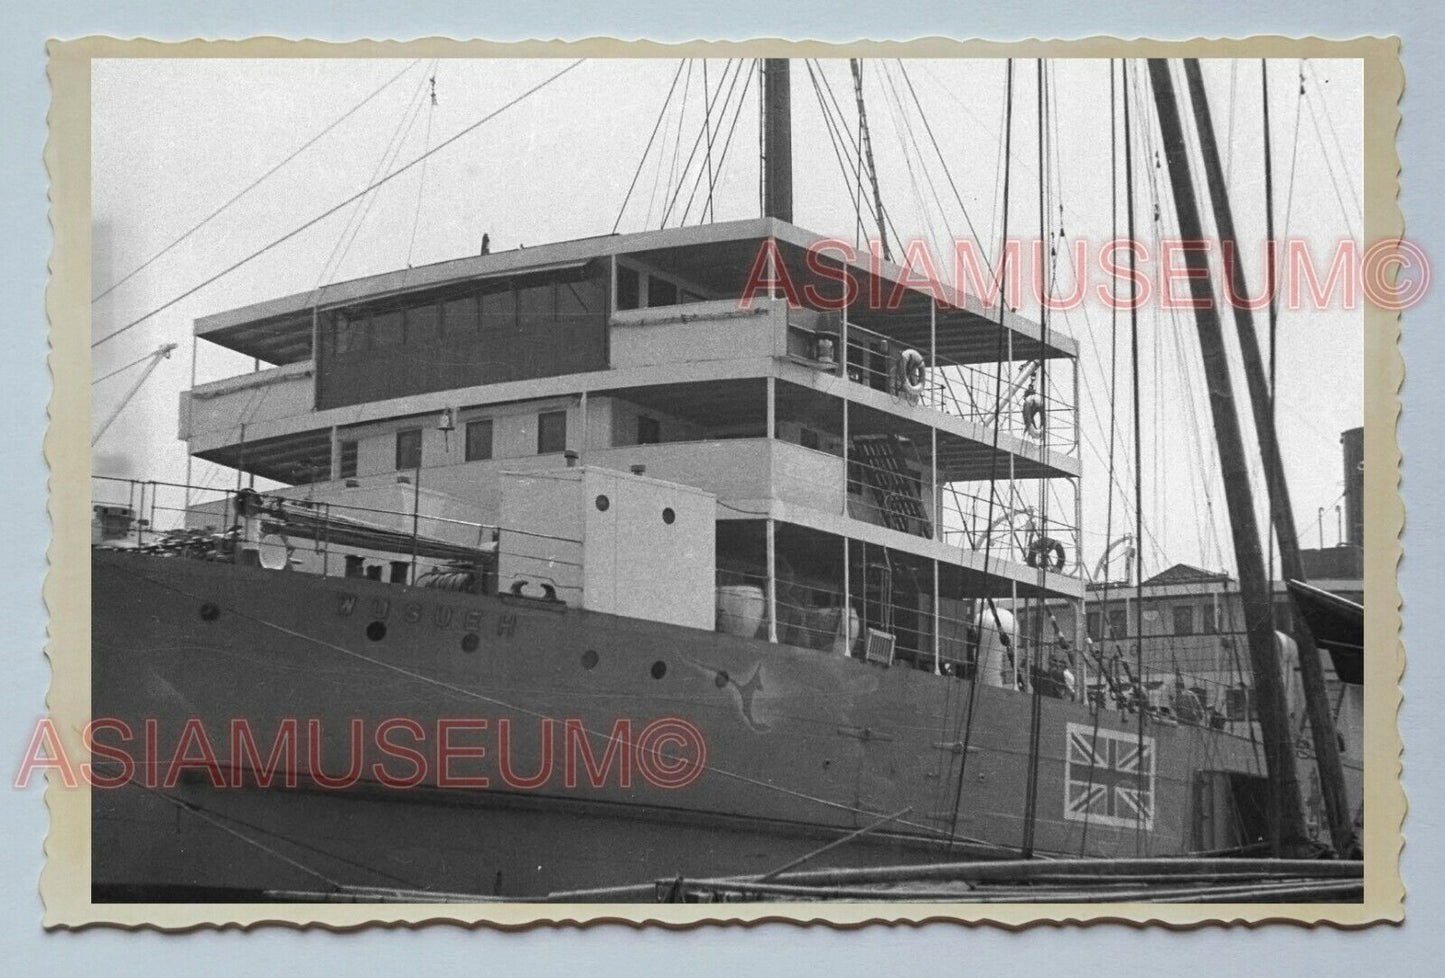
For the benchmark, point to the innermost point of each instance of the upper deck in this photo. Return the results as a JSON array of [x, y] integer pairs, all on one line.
[[662, 349]]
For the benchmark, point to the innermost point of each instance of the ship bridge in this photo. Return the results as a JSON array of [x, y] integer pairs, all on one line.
[[872, 443]]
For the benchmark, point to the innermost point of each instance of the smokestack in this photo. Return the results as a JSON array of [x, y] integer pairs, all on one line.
[[1354, 458], [777, 141]]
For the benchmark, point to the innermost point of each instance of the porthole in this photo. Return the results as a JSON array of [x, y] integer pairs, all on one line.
[[659, 669], [589, 659], [376, 631], [471, 641], [209, 612], [603, 503], [721, 679], [668, 516]]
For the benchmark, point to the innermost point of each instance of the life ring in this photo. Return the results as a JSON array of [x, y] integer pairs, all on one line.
[[1041, 549], [910, 373]]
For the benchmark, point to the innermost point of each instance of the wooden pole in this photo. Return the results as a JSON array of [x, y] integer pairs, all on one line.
[[1287, 830], [1317, 704]]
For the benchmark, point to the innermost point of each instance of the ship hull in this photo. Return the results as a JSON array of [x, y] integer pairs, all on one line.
[[478, 729]]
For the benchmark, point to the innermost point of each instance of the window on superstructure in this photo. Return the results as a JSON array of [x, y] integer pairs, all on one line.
[[479, 440], [351, 332], [408, 449], [1118, 623], [459, 317], [629, 288], [422, 325], [649, 431], [1183, 619], [1092, 625], [660, 292], [1209, 623], [551, 432], [387, 329], [347, 467]]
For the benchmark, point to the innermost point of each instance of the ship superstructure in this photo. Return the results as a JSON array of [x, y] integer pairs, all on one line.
[[840, 482]]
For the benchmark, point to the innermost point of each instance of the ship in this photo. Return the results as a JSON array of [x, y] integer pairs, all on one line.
[[637, 557]]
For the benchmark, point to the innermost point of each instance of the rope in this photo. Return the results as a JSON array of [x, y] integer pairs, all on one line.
[[648, 148], [332, 210], [421, 184], [253, 184]]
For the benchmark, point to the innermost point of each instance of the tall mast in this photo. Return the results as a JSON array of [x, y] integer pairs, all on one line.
[[1261, 394], [1287, 830], [777, 141]]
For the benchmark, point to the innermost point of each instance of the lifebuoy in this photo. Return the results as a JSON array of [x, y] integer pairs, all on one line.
[[1041, 550], [910, 372]]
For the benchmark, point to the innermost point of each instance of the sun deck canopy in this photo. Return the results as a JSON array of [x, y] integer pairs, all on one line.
[[714, 260]]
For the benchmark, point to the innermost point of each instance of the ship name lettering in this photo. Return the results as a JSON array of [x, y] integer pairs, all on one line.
[[346, 604], [442, 615], [380, 608], [413, 613], [507, 623], [473, 621]]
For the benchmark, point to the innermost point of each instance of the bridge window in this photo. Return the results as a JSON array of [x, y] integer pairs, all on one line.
[[660, 292], [347, 469], [408, 448], [479, 440], [551, 432], [629, 288], [1183, 619], [649, 430]]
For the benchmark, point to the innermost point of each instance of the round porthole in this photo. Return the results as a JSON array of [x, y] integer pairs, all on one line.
[[209, 612], [659, 669], [721, 679], [603, 503], [668, 516], [471, 641], [589, 659], [376, 631]]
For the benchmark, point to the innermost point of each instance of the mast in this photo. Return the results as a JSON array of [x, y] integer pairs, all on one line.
[[1286, 817], [777, 141], [1261, 394]]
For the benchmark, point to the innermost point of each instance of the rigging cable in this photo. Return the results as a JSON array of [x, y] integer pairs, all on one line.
[[707, 125], [254, 183], [421, 184], [993, 472], [1138, 450], [648, 148], [1113, 390], [332, 210], [692, 154], [1032, 670]]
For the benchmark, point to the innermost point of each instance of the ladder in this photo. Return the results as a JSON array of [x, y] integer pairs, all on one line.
[[894, 479]]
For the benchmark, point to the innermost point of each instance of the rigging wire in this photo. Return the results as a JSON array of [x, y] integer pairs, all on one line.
[[692, 154], [993, 472], [722, 112], [707, 125], [648, 148], [253, 184], [421, 183], [332, 210]]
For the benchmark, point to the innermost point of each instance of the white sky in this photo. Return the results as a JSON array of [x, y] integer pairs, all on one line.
[[174, 139]]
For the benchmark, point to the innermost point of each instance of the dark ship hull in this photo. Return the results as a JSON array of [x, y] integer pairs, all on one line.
[[781, 749]]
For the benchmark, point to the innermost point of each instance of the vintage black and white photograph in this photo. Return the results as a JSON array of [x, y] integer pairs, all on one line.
[[735, 478]]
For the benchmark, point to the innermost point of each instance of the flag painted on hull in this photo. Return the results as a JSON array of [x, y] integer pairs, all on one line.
[[1108, 777]]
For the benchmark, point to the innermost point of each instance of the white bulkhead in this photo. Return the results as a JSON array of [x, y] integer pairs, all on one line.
[[612, 542]]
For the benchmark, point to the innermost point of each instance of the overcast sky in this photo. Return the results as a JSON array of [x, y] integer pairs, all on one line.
[[174, 139]]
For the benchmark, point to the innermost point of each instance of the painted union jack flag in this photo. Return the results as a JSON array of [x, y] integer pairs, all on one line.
[[1108, 779]]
